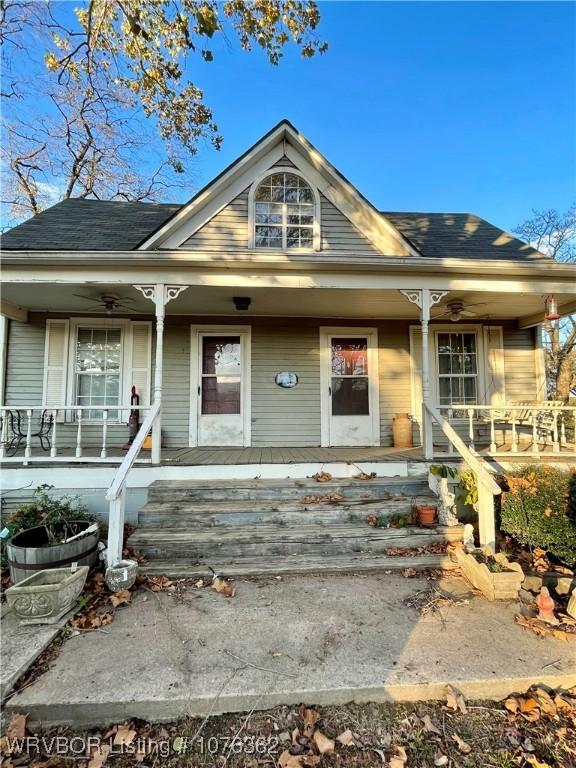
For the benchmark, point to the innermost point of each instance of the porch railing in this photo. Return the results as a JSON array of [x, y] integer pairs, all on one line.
[[519, 429], [116, 495], [65, 434], [488, 488]]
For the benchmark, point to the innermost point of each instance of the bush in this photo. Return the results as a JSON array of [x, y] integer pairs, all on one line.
[[535, 509]]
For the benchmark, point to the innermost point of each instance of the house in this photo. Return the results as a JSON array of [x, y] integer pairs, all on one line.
[[279, 319]]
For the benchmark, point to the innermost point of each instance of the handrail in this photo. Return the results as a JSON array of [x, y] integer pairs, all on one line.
[[475, 463], [122, 471]]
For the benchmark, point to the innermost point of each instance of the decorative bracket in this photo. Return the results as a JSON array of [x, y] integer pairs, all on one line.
[[415, 296], [159, 293]]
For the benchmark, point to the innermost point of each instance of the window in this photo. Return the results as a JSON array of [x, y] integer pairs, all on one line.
[[97, 368], [221, 372], [284, 212], [349, 380], [457, 368]]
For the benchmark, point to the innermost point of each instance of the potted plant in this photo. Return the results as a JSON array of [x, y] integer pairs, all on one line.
[[50, 532], [426, 514], [493, 574]]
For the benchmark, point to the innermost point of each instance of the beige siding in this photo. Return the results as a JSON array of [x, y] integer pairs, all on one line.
[[339, 234], [394, 371], [520, 365]]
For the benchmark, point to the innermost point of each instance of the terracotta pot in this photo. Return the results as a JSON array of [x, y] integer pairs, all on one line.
[[402, 430], [426, 514]]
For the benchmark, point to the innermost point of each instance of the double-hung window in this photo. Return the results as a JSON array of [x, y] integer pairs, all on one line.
[[457, 368], [284, 212], [97, 364]]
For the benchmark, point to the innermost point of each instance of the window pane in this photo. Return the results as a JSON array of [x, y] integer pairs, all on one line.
[[444, 363], [350, 357], [456, 342], [220, 394], [470, 342], [283, 211], [350, 397], [443, 343], [457, 364], [444, 387], [469, 363], [97, 367], [221, 355], [469, 390]]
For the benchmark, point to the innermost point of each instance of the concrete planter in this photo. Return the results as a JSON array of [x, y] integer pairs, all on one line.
[[47, 595], [494, 586]]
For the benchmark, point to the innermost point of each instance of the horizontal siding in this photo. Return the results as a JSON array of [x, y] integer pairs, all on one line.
[[394, 374], [520, 365], [176, 385], [339, 234]]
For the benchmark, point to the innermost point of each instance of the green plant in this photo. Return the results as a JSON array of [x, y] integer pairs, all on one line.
[[468, 487], [441, 470], [535, 509], [55, 513]]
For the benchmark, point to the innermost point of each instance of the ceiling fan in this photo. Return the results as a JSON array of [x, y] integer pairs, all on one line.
[[456, 309], [109, 302]]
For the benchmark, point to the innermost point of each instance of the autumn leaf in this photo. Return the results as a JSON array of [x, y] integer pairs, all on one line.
[[223, 587], [462, 745], [17, 726], [322, 477], [429, 726], [455, 700], [346, 738], [545, 701], [121, 598], [323, 743], [440, 760], [408, 573], [124, 736], [399, 758], [286, 760], [99, 756], [309, 717]]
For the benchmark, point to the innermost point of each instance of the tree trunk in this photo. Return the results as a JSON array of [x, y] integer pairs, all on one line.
[[564, 379]]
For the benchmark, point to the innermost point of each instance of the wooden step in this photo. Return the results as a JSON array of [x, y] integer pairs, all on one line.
[[229, 490], [298, 564], [228, 542], [195, 514]]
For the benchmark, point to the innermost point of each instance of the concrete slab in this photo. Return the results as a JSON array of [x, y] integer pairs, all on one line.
[[21, 646], [320, 640]]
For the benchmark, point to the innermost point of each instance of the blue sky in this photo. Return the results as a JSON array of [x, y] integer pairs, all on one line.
[[424, 106]]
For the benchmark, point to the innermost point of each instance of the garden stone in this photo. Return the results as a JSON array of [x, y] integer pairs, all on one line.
[[561, 585]]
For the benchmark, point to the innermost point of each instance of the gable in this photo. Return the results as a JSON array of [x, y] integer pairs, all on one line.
[[215, 214]]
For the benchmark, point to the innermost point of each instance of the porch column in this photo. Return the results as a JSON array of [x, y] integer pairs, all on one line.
[[160, 294], [424, 299]]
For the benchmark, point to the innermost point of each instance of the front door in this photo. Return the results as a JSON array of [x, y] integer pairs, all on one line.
[[350, 413], [220, 402]]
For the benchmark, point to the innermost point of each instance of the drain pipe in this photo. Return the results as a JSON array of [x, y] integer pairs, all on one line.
[[4, 323]]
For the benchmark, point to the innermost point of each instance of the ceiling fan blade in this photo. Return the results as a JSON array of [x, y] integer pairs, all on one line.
[[88, 298], [467, 313]]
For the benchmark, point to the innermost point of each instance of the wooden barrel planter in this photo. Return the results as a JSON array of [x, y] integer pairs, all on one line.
[[30, 551]]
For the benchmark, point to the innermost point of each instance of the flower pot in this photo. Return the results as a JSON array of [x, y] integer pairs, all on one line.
[[426, 514], [30, 551], [503, 585], [122, 575], [46, 596]]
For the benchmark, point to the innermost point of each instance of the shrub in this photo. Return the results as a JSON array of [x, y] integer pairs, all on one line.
[[535, 509]]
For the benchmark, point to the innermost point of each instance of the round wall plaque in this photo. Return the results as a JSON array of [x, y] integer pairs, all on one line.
[[286, 379]]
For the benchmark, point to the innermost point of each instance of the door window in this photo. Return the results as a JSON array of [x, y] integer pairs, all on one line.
[[349, 376], [221, 375]]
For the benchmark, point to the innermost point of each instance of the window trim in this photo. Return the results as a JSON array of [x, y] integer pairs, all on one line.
[[477, 330], [316, 229], [125, 367], [475, 376]]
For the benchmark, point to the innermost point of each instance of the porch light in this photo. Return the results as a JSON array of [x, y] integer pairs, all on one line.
[[242, 302], [551, 312]]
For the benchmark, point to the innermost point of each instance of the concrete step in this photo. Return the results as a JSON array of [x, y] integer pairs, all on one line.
[[208, 545], [229, 490], [298, 564], [201, 514]]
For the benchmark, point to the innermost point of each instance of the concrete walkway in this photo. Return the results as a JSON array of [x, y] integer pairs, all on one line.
[[318, 640]]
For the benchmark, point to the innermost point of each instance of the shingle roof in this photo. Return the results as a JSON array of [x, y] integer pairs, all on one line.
[[460, 236], [101, 225]]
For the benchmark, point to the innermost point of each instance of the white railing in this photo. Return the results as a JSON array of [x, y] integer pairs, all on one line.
[[488, 488], [116, 495], [545, 428], [66, 434]]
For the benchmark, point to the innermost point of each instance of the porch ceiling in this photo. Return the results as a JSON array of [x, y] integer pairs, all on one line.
[[81, 299]]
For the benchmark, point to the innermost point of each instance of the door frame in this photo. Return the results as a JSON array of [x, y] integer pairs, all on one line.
[[371, 334], [245, 333]]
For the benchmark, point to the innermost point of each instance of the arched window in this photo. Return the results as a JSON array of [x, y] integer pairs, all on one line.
[[284, 212]]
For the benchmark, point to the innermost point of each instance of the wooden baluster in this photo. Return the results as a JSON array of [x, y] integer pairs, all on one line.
[[450, 417], [492, 432], [79, 434], [104, 432], [514, 435], [556, 438], [53, 449], [28, 449], [4, 435], [563, 427], [471, 428], [535, 448]]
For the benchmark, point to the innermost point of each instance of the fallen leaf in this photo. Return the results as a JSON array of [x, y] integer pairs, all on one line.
[[399, 758], [311, 760], [408, 573], [199, 584], [99, 756], [223, 587], [534, 762], [158, 583], [380, 753], [17, 726], [544, 700], [455, 700], [562, 705], [323, 743], [346, 738], [462, 745], [295, 735], [440, 760], [322, 477], [124, 736], [309, 717], [286, 760], [429, 726], [121, 598], [529, 709]]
